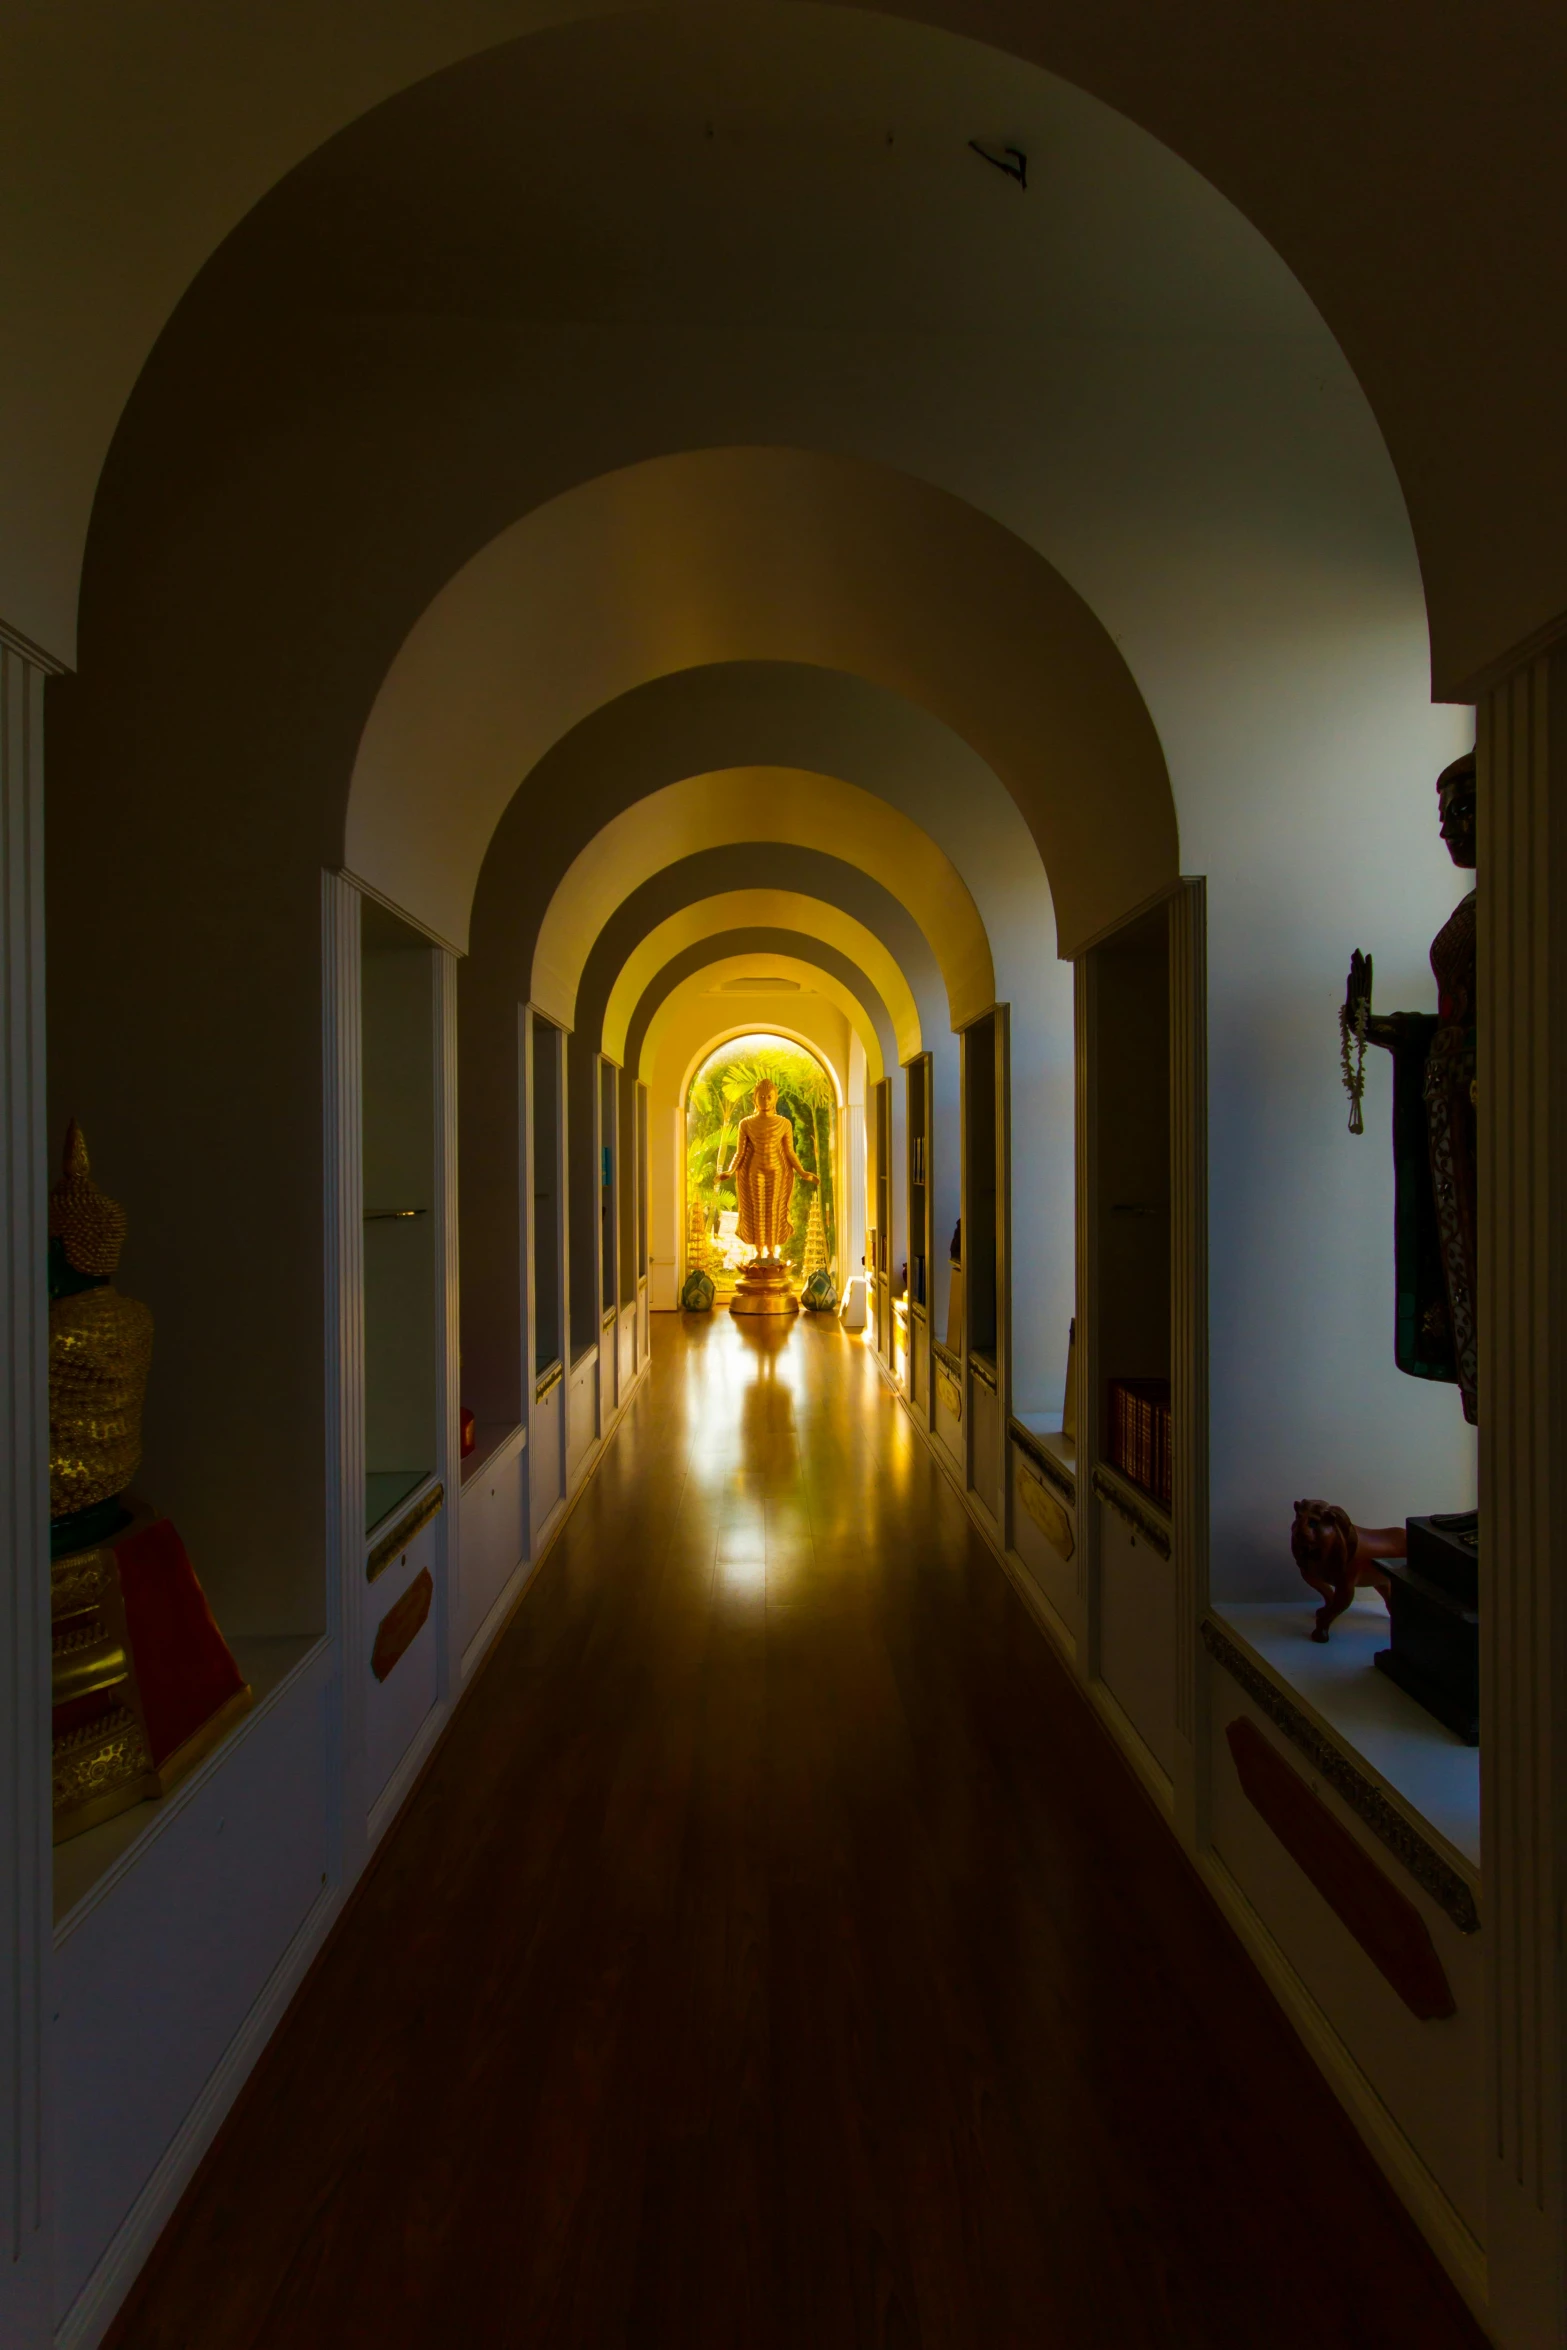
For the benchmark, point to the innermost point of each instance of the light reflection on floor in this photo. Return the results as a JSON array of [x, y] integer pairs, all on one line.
[[751, 1396]]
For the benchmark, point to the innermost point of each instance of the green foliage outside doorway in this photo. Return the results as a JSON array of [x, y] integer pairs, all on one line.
[[720, 1097]]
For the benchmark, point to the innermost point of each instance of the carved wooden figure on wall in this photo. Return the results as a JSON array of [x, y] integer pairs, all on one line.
[[1434, 1150]]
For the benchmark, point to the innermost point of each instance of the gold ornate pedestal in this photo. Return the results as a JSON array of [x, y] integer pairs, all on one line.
[[763, 1288], [144, 1682]]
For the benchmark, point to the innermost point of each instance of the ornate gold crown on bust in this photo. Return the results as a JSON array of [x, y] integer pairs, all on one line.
[[89, 1226], [100, 1352]]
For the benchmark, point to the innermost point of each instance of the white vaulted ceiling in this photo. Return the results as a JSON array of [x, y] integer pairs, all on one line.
[[132, 142]]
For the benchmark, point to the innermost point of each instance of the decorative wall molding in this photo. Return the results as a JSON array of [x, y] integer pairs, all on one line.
[[1054, 1472], [1522, 1116], [428, 1506], [1133, 1509], [32, 656], [1046, 1510], [26, 1873], [1354, 1787], [367, 889]]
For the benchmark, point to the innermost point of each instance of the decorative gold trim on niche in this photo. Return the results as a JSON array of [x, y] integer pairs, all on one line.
[[1046, 1511], [98, 1771], [201, 1742], [546, 1386], [430, 1505], [1054, 1472]]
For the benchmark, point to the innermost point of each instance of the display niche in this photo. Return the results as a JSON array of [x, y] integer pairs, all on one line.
[[585, 1206], [609, 1154], [881, 1214], [630, 1189], [549, 1336], [547, 1407], [642, 1186], [398, 1147], [1132, 1270], [918, 1076], [1129, 1044], [981, 1242]]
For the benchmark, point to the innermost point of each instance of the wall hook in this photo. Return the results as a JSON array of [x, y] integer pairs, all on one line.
[[1011, 160]]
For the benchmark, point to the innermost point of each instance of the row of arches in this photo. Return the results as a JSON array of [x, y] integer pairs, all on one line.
[[554, 605]]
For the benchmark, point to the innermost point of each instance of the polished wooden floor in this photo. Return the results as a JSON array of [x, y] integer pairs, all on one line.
[[777, 1956]]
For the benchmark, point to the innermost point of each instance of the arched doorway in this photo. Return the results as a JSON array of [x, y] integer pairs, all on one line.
[[718, 1097]]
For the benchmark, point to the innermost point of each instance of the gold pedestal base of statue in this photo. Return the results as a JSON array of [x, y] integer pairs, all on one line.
[[763, 1288]]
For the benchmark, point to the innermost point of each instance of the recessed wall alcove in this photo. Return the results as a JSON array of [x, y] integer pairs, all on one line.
[[399, 1147], [547, 577]]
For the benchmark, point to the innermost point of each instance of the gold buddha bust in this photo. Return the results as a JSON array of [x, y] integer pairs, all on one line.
[[100, 1352]]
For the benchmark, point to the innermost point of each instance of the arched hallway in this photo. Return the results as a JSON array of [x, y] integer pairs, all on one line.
[[776, 1952]]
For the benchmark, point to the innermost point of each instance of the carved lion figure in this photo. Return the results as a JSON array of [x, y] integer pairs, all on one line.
[[1336, 1557]]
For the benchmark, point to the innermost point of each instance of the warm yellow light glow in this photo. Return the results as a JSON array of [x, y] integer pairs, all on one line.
[[811, 976], [768, 804]]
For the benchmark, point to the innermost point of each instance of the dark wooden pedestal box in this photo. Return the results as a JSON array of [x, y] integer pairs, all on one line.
[[1434, 1604]]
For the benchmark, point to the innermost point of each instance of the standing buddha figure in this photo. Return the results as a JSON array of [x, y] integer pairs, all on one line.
[[765, 1166]]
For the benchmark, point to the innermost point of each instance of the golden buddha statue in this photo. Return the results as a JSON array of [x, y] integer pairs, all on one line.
[[764, 1170], [100, 1352], [144, 1683]]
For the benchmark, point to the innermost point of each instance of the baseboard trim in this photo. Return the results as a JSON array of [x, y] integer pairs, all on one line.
[[1416, 2186], [390, 1801], [506, 1599], [98, 2303], [1138, 1755]]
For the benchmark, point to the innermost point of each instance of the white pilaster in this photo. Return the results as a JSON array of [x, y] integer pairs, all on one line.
[[448, 1321], [1189, 1341], [1522, 1106], [852, 1160], [343, 1333], [1003, 1044], [1086, 1373], [25, 1852]]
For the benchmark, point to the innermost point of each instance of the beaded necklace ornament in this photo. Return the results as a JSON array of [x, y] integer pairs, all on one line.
[[1352, 1056]]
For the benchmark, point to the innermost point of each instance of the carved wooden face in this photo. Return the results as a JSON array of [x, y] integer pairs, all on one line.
[[1322, 1535], [1455, 795]]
